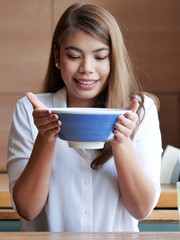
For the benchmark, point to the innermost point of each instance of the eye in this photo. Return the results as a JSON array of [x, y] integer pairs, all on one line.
[[101, 58], [73, 57]]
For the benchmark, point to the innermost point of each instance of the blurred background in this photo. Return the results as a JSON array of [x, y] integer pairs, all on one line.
[[151, 30]]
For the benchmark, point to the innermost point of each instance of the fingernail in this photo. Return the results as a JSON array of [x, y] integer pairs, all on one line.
[[120, 118], [117, 124]]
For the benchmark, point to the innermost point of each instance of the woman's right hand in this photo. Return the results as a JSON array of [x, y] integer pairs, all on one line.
[[46, 122]]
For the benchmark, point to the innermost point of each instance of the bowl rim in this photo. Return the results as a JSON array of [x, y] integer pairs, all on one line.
[[70, 110]]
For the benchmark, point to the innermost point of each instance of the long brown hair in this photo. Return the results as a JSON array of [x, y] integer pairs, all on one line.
[[122, 86]]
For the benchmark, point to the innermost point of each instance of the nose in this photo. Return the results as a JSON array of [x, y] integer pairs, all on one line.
[[86, 65]]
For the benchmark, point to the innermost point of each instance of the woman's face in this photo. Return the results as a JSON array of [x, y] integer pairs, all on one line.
[[85, 67]]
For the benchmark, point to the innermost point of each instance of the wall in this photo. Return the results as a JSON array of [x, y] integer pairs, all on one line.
[[152, 33]]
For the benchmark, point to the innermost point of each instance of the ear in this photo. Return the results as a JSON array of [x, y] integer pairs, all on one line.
[[56, 57]]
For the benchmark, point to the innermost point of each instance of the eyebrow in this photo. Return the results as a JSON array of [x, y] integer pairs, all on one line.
[[79, 50]]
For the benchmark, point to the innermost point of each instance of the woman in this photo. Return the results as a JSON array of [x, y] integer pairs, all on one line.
[[57, 188]]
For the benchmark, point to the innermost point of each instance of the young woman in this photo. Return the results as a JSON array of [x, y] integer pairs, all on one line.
[[57, 188]]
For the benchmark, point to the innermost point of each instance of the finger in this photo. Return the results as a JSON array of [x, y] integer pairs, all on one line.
[[34, 100], [122, 130], [119, 137], [134, 105], [44, 129], [41, 113], [129, 122], [131, 116], [42, 117], [53, 133]]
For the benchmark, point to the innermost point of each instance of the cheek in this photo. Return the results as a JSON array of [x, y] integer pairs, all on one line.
[[64, 71], [67, 68], [64, 65], [105, 69]]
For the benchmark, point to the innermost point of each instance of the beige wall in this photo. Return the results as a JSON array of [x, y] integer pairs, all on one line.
[[152, 33]]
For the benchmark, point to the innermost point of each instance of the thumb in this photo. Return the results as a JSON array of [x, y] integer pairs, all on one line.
[[133, 105], [34, 100]]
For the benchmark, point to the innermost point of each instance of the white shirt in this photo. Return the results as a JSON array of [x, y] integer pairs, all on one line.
[[81, 199]]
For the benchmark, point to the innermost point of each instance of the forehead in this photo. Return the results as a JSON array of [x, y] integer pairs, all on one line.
[[82, 39]]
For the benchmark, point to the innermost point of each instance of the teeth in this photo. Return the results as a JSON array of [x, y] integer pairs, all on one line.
[[86, 82]]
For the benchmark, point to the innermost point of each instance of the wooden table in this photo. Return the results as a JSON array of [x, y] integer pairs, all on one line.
[[90, 236]]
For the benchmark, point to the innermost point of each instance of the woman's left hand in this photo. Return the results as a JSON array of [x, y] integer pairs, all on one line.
[[125, 125]]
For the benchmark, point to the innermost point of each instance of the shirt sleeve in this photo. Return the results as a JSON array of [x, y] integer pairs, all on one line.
[[148, 146], [20, 142]]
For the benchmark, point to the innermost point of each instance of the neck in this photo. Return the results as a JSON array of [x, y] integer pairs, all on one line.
[[77, 102], [82, 103]]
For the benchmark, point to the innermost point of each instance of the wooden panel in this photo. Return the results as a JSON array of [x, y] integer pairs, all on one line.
[[7, 104], [5, 200], [8, 214], [4, 184], [25, 28], [163, 216], [169, 116], [152, 36], [168, 197]]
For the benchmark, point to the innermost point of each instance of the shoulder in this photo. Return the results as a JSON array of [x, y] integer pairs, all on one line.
[[149, 103], [148, 100], [148, 114]]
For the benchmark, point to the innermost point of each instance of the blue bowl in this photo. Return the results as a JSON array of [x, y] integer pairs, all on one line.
[[87, 127]]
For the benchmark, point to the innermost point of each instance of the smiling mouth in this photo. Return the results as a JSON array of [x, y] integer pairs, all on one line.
[[86, 82]]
